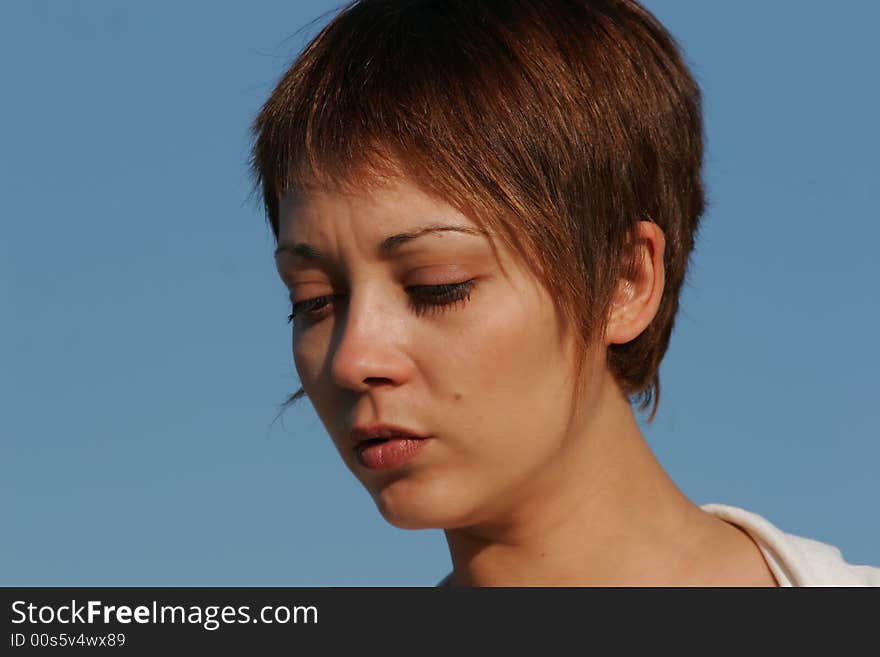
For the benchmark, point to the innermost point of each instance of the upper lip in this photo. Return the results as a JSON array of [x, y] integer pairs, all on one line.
[[364, 432]]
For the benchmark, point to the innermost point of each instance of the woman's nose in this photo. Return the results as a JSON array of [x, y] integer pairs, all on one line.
[[367, 348]]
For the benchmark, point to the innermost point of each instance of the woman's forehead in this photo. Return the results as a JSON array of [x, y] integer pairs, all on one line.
[[397, 208]]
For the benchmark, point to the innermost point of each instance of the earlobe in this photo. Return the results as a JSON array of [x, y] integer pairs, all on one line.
[[638, 295]]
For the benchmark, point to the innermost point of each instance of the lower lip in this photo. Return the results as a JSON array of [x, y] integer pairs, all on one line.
[[392, 453]]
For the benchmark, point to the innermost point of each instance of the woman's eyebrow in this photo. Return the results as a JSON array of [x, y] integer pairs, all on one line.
[[387, 246]]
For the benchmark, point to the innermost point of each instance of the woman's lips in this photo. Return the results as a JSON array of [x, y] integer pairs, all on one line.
[[387, 453]]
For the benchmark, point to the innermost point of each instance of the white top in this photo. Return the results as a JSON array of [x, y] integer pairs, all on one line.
[[793, 560]]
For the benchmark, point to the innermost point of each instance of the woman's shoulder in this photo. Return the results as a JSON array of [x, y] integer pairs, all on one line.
[[796, 560]]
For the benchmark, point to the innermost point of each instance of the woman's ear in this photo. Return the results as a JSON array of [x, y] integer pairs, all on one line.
[[638, 295]]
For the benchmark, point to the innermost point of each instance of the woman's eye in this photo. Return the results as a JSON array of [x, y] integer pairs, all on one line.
[[435, 299], [424, 299], [308, 307]]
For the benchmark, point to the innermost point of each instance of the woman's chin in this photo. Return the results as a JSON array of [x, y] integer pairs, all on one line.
[[408, 506]]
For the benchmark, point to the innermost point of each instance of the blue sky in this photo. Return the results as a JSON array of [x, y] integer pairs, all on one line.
[[144, 346]]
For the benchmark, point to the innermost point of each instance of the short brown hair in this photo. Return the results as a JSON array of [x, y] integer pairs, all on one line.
[[556, 124]]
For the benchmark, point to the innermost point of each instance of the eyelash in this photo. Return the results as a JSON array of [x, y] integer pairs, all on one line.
[[439, 299]]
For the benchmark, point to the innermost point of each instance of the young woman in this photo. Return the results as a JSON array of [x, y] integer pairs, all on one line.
[[484, 213]]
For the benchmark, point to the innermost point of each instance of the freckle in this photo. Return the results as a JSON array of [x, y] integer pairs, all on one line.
[[457, 396]]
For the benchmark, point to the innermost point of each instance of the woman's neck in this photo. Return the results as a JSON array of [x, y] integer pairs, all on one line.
[[605, 513]]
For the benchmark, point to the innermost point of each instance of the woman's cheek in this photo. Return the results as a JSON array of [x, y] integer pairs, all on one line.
[[307, 363]]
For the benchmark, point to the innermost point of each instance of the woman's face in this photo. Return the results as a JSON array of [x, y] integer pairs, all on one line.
[[480, 365]]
